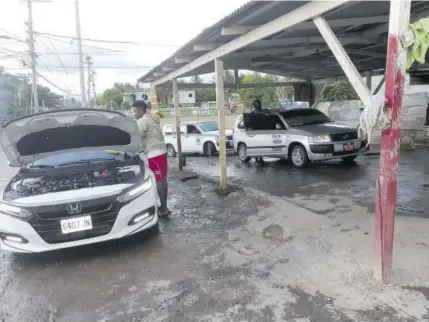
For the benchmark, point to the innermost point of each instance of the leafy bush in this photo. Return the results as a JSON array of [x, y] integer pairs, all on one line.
[[339, 91]]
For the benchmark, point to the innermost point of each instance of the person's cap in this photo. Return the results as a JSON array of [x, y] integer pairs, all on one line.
[[140, 104]]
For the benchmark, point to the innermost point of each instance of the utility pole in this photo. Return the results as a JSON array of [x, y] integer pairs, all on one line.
[[80, 56], [88, 60], [33, 57]]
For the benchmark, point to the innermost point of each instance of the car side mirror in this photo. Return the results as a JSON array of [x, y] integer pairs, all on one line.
[[278, 126]]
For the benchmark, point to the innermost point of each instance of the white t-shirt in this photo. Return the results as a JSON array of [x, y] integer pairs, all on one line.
[[155, 153]]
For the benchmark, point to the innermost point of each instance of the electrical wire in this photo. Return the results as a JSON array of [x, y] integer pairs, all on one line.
[[56, 86], [93, 47], [109, 41]]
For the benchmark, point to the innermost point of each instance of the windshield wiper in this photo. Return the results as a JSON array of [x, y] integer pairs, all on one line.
[[86, 161]]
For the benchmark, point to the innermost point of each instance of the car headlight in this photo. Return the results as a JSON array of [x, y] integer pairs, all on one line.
[[319, 139], [12, 210], [135, 191]]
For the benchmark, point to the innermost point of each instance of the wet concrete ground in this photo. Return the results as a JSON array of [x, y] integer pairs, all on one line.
[[234, 258], [357, 181]]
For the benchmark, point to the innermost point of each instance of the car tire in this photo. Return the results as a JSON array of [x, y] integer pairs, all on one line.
[[242, 153], [298, 156], [350, 159], [210, 149], [171, 151]]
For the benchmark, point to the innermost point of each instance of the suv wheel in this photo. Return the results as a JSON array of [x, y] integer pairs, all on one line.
[[210, 149], [171, 151], [298, 156], [242, 153]]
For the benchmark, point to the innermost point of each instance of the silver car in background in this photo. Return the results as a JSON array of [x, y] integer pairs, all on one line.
[[299, 135]]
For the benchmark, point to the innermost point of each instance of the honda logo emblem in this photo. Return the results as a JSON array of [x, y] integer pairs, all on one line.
[[74, 208]]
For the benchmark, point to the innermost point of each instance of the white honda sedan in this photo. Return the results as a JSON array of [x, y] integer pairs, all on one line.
[[81, 181]]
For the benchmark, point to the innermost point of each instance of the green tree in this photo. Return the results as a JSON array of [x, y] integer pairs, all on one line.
[[267, 95], [339, 91], [112, 97]]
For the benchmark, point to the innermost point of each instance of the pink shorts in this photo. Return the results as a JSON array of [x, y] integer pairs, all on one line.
[[159, 166]]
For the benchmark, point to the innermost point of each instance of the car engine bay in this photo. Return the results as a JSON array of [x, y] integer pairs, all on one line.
[[30, 184]]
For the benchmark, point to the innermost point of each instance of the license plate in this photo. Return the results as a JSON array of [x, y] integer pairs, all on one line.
[[76, 224], [349, 147]]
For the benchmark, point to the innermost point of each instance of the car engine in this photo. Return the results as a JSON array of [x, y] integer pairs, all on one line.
[[24, 186]]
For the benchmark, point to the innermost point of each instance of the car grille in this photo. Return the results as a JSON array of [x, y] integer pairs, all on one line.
[[344, 136], [47, 222]]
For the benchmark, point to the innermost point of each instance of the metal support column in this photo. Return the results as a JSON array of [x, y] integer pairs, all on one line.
[[177, 115], [220, 99], [390, 140]]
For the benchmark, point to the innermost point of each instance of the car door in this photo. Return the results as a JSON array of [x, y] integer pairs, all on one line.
[[192, 139], [267, 140]]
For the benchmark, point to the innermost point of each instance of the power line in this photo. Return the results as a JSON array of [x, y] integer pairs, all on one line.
[[93, 47], [109, 41], [56, 86]]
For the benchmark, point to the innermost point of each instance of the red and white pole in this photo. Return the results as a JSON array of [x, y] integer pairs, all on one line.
[[390, 139]]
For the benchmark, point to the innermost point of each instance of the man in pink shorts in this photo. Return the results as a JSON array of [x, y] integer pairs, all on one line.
[[153, 146]]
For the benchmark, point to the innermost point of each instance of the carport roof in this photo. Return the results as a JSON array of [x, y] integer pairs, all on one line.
[[298, 51]]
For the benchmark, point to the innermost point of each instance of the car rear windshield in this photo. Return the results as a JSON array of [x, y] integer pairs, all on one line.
[[80, 157], [305, 117], [208, 126]]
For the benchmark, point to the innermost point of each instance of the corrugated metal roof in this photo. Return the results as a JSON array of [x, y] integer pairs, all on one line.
[[299, 51]]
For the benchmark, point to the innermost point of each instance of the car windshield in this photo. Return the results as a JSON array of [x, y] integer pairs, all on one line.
[[80, 157], [305, 117], [208, 126]]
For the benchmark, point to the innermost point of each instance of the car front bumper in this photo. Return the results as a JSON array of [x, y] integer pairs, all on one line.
[[109, 225], [335, 150]]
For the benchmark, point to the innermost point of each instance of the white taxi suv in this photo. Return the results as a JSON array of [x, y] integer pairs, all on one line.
[[80, 181], [299, 135], [196, 138]]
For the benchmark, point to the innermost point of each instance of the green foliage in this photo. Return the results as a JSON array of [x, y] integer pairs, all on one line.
[[204, 95], [339, 91], [266, 95], [112, 97]]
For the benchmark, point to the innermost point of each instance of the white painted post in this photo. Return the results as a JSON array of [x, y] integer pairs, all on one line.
[[220, 99], [177, 116], [344, 60]]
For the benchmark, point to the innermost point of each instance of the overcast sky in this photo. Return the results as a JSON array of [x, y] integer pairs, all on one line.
[[169, 23]]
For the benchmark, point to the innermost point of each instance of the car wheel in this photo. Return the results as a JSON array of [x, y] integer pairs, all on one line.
[[210, 149], [349, 159], [298, 156], [171, 151], [242, 153]]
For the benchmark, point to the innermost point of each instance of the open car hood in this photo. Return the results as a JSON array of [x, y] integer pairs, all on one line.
[[33, 137]]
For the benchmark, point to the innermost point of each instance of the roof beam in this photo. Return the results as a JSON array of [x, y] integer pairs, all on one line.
[[206, 47], [303, 13], [167, 69], [236, 30], [355, 38], [344, 60], [179, 60], [240, 30], [158, 74]]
